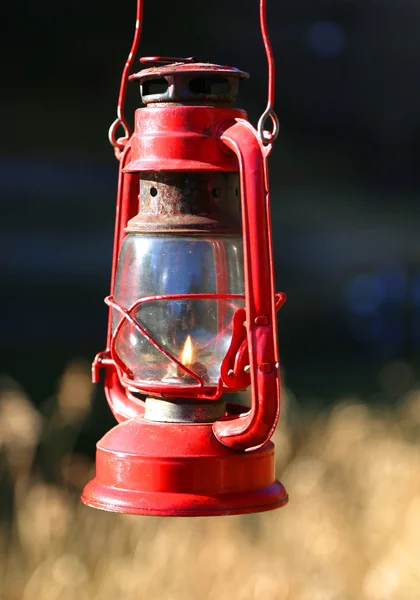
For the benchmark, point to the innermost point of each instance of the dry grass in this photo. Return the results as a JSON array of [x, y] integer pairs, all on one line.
[[350, 532]]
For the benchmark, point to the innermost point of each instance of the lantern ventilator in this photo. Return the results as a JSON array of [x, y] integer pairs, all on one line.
[[192, 310]]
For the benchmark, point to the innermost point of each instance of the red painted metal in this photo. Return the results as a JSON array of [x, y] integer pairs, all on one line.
[[124, 405], [224, 467], [127, 207], [181, 138], [253, 430], [150, 468]]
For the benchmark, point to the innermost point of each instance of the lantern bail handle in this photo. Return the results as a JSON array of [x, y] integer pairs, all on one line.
[[266, 137], [254, 428], [119, 143]]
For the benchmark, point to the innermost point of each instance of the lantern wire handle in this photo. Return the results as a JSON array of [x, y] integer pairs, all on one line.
[[268, 137], [119, 143]]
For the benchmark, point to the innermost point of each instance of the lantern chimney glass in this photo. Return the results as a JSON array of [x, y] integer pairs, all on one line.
[[197, 332]]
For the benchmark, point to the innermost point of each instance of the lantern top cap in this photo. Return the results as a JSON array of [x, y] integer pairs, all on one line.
[[168, 66], [183, 80]]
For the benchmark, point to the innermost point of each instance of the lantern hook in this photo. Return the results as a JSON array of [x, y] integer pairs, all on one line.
[[120, 142], [268, 137]]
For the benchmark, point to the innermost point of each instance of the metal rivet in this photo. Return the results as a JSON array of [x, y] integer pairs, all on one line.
[[261, 320]]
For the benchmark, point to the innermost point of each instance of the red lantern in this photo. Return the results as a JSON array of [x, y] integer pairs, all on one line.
[[192, 305]]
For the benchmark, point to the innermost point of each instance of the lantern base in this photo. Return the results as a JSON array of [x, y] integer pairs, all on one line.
[[167, 469], [172, 505]]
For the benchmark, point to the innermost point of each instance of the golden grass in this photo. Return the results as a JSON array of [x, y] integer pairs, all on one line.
[[350, 532]]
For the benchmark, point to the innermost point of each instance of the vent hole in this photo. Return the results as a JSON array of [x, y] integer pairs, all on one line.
[[210, 86], [152, 87], [216, 192], [153, 192]]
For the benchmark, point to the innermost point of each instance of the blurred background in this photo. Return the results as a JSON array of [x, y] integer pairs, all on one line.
[[345, 185]]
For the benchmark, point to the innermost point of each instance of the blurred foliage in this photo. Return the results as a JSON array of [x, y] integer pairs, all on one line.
[[350, 532]]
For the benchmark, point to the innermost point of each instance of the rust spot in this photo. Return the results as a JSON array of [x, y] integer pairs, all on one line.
[[188, 201]]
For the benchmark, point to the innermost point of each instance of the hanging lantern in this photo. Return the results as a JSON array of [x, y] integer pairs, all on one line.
[[192, 306]]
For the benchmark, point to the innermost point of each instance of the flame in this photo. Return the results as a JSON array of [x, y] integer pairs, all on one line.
[[187, 352]]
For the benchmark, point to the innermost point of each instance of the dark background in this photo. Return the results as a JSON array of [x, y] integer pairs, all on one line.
[[344, 175]]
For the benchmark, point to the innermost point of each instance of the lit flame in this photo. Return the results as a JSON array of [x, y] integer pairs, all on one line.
[[187, 352]]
